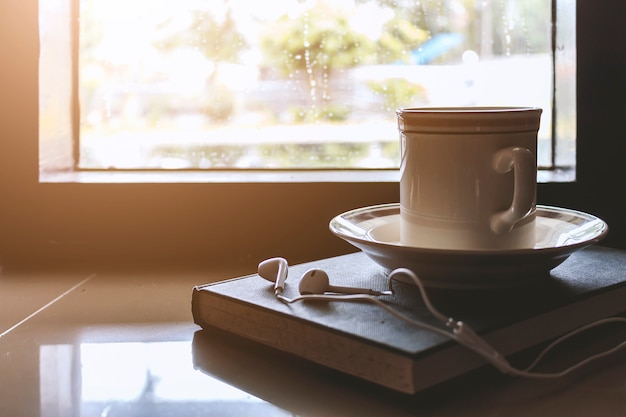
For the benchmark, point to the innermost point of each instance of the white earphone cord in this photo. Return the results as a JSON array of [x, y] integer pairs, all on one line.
[[464, 334]]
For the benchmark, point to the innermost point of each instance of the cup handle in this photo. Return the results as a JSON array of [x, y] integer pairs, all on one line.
[[522, 162]]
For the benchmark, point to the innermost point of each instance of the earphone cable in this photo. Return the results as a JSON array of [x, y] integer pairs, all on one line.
[[466, 336], [366, 298]]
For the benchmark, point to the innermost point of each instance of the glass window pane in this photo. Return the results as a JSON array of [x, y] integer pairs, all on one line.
[[312, 84]]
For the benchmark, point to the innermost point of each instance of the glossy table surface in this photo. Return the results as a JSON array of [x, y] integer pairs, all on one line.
[[107, 342]]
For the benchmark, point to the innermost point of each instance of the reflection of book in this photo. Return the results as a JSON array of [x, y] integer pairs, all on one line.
[[363, 340]]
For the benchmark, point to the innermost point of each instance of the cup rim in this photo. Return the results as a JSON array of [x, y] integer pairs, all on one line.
[[469, 119], [468, 109]]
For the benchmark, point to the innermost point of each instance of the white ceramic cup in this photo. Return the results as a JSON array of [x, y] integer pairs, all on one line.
[[468, 177]]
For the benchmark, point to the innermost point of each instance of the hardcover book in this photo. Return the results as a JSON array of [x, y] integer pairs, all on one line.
[[364, 340]]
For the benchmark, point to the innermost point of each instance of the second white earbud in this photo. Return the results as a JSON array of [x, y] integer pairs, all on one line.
[[315, 281]]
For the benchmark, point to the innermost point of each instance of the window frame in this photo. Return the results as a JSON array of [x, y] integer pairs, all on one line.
[[243, 222]]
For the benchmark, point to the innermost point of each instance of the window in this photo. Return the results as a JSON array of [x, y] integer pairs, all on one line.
[[301, 85], [243, 220]]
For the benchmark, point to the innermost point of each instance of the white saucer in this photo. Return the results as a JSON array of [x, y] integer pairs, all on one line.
[[560, 232]]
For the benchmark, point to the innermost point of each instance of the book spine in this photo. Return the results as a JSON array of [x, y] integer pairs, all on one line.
[[372, 363]]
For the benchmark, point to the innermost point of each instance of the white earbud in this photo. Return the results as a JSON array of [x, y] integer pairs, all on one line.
[[274, 270], [315, 281]]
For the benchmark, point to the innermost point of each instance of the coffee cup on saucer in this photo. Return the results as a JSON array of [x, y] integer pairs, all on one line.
[[468, 177]]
